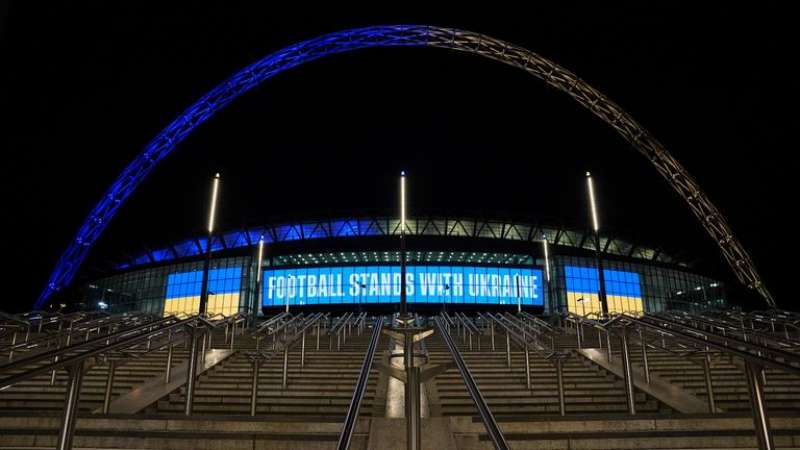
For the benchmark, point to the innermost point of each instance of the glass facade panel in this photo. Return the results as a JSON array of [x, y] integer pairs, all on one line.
[[481, 278]]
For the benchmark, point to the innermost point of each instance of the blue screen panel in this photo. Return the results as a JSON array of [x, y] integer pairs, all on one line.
[[381, 284], [189, 284]]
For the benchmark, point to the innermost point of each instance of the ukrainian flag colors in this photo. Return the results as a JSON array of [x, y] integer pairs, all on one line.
[[623, 291], [183, 292]]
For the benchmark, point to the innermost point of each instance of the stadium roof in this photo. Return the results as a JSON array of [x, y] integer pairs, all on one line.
[[390, 226]]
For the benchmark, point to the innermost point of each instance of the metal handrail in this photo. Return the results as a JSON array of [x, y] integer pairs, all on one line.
[[56, 337], [521, 339], [494, 431], [271, 321], [283, 325], [340, 322], [468, 324], [750, 352], [361, 388], [127, 338], [539, 322], [78, 346], [763, 336]]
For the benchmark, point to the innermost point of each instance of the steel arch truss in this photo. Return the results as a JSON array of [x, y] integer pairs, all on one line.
[[408, 36]]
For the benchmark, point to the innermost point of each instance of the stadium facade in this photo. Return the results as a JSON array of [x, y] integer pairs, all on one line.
[[355, 261]]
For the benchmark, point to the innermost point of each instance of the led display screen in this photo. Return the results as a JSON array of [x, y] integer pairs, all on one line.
[[381, 284], [623, 291], [183, 292]]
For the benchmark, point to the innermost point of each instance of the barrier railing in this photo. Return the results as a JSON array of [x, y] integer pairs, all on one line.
[[495, 434], [351, 417], [285, 345]]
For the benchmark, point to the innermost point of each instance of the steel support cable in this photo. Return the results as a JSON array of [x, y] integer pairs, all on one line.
[[487, 417], [361, 388]]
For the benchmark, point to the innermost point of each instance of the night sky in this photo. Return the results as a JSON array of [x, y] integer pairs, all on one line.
[[85, 86]]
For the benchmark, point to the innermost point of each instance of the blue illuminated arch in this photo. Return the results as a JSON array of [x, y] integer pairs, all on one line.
[[400, 36]]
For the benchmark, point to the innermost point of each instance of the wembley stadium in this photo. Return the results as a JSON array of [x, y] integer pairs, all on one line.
[[356, 261], [399, 332]]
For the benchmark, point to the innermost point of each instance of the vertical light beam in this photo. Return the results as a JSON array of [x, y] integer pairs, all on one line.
[[546, 258], [213, 211], [590, 187], [403, 202], [260, 258]]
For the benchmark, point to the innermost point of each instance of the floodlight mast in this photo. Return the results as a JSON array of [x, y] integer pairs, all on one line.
[[403, 304], [212, 211], [259, 283], [599, 260], [550, 299]]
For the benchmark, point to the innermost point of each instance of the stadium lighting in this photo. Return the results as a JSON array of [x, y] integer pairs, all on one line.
[[212, 212], [546, 258], [590, 187], [599, 260], [403, 305], [403, 202], [260, 258]]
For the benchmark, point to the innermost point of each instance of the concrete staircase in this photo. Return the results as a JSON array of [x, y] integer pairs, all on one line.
[[37, 394], [308, 414], [782, 390], [323, 387], [589, 389]]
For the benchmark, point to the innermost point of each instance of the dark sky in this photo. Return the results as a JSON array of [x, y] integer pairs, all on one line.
[[87, 85]]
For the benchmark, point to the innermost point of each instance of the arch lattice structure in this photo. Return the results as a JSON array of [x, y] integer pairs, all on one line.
[[405, 36]]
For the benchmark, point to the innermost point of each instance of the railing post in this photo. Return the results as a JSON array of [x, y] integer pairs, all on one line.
[[191, 373], [285, 377], [202, 355], [233, 335], [112, 367], [13, 343], [303, 350], [645, 363], [712, 404], [608, 347], [70, 406], [254, 391], [527, 367], [562, 407], [508, 349], [55, 359], [760, 418], [168, 372], [412, 397], [491, 330], [627, 372]]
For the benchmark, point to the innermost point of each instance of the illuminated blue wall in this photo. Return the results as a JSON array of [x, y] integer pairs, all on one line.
[[381, 284], [623, 291]]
